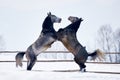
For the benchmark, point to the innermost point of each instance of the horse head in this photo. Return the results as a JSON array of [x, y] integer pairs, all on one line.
[[70, 30], [54, 18], [47, 25], [74, 19]]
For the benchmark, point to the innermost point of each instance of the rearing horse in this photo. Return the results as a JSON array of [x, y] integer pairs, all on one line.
[[46, 38], [68, 37]]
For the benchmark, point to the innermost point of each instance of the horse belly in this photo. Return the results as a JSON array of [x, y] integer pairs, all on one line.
[[45, 45]]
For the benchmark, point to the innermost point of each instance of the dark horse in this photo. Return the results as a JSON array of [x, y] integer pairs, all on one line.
[[46, 38], [68, 37]]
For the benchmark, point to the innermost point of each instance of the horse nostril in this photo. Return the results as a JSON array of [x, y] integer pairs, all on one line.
[[60, 20], [68, 18]]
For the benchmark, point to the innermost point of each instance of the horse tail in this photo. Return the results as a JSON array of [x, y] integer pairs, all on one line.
[[19, 58], [97, 54]]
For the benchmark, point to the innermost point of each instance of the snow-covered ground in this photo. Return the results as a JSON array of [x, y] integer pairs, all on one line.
[[44, 71]]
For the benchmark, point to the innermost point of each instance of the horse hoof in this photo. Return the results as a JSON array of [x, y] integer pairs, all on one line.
[[83, 70]]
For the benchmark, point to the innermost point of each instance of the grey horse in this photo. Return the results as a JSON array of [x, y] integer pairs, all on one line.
[[45, 40]]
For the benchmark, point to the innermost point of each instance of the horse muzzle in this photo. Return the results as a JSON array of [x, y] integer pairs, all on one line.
[[59, 20]]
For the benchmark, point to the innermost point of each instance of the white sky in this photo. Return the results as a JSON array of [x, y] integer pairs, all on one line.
[[21, 20]]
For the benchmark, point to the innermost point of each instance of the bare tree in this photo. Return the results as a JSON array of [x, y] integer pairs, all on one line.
[[117, 43], [105, 39]]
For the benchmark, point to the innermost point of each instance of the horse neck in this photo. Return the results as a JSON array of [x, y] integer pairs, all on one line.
[[74, 26], [48, 25]]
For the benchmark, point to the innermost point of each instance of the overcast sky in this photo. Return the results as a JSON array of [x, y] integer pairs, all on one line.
[[21, 20]]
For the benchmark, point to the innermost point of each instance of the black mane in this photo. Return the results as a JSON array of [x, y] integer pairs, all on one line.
[[47, 25], [74, 26]]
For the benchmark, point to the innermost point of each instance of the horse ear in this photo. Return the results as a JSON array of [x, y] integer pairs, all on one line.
[[49, 13], [81, 19]]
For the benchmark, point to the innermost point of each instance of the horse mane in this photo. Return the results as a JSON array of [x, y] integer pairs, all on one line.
[[74, 26], [47, 25]]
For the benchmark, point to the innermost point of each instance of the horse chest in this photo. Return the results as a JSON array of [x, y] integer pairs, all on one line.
[[69, 45]]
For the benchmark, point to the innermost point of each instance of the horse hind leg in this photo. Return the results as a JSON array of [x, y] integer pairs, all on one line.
[[30, 65], [31, 61], [82, 67], [81, 64]]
